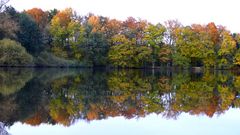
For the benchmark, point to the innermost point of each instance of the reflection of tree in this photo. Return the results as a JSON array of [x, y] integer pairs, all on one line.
[[64, 97], [72, 96], [8, 109], [196, 98], [37, 118], [128, 90], [135, 93], [212, 93], [12, 80], [236, 84], [29, 98]]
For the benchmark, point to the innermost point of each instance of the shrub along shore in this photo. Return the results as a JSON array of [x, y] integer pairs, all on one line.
[[54, 38]]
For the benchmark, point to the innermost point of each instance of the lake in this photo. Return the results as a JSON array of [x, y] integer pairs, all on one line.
[[118, 102]]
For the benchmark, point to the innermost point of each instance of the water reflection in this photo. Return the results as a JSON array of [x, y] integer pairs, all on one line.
[[63, 96]]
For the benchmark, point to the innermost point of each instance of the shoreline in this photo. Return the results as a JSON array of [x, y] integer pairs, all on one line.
[[194, 69]]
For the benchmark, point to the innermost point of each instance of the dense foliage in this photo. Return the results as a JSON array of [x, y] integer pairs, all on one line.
[[12, 53], [100, 41]]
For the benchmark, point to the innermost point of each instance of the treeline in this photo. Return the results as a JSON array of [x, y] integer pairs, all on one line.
[[64, 38]]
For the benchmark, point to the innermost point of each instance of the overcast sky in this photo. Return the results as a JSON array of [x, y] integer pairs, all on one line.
[[224, 12]]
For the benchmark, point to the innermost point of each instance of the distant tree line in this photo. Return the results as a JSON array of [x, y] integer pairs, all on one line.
[[64, 38]]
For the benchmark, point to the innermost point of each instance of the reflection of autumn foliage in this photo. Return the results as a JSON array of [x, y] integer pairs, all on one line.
[[13, 80], [209, 108], [37, 119], [92, 115], [94, 95], [7, 109], [137, 94], [237, 82], [164, 84], [193, 97], [60, 116]]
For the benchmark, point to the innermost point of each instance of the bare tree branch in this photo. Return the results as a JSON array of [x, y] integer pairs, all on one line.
[[2, 4], [3, 130]]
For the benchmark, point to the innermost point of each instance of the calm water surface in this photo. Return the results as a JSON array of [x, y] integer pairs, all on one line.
[[117, 102]]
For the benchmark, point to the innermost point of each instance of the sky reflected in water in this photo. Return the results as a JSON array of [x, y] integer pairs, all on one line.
[[225, 124]]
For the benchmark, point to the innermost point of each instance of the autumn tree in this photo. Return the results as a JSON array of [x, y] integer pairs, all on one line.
[[236, 37], [180, 60], [8, 27], [39, 16], [171, 29], [212, 31], [59, 25], [129, 27], [153, 37], [94, 47], [8, 23], [66, 33], [51, 13], [134, 29], [113, 27], [236, 60], [13, 54], [29, 35], [226, 50], [121, 53], [125, 53], [207, 42], [194, 43], [165, 54], [98, 23]]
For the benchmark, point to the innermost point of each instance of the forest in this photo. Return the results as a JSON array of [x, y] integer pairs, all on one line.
[[62, 38]]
